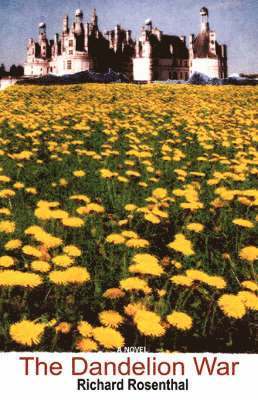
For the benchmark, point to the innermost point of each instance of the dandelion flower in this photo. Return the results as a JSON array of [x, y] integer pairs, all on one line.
[[251, 285], [249, 299], [249, 253], [110, 318], [148, 323], [63, 327], [243, 222], [13, 244], [6, 261], [136, 284], [232, 306], [86, 345], [73, 275], [180, 320], [27, 333], [72, 251], [182, 245], [146, 264], [31, 251], [18, 278], [73, 222], [109, 338], [115, 238], [114, 293], [195, 227], [7, 226], [85, 329], [41, 266], [181, 280], [63, 261]]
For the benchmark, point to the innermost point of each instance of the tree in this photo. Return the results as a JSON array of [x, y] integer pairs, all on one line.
[[13, 70], [20, 70], [3, 71]]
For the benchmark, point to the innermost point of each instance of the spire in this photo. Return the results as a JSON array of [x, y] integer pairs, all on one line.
[[42, 31], [94, 18], [204, 13], [65, 24]]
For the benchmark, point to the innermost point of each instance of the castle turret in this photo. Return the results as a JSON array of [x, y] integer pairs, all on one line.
[[207, 56], [42, 32], [66, 24], [204, 13], [78, 24], [94, 18]]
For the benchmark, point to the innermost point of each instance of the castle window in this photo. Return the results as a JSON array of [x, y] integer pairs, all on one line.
[[69, 64], [70, 43], [174, 75], [70, 52]]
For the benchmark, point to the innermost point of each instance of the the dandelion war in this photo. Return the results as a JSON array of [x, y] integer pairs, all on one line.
[[128, 218]]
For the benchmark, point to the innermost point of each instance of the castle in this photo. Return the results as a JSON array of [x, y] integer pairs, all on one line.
[[154, 56]]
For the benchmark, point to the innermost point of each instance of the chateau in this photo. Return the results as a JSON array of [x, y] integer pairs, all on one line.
[[154, 56]]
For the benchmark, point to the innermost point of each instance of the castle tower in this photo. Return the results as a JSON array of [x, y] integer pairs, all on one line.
[[78, 23], [204, 13], [66, 24], [78, 16], [94, 18], [43, 43], [42, 32], [207, 56]]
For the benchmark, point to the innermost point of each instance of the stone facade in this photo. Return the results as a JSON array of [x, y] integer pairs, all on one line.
[[154, 56]]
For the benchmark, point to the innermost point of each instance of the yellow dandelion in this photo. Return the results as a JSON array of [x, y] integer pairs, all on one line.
[[110, 318], [148, 323], [180, 320], [27, 333], [19, 278], [79, 173], [249, 253], [85, 329], [86, 345], [195, 227], [181, 280], [31, 251], [109, 338], [243, 222], [249, 299], [251, 285], [13, 244], [232, 306], [115, 238], [73, 222], [6, 261], [146, 264], [63, 261], [72, 275], [63, 327], [114, 293], [41, 266], [137, 243], [72, 251], [182, 245], [137, 284], [7, 226]]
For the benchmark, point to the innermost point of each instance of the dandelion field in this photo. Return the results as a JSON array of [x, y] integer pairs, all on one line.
[[128, 217]]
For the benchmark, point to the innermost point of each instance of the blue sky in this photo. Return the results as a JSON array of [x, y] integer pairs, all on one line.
[[235, 21]]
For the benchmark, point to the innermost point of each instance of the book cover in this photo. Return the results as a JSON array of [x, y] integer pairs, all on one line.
[[128, 198]]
